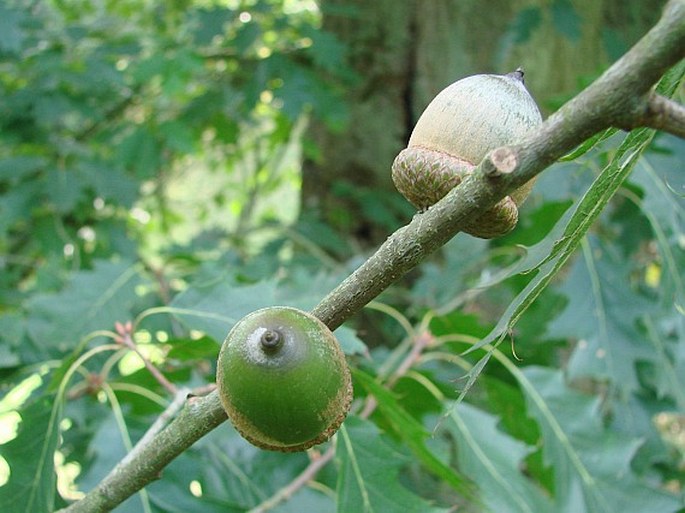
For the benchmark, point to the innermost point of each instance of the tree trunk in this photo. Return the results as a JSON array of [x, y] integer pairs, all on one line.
[[405, 52]]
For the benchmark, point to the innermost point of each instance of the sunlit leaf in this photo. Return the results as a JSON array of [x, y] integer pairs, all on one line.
[[32, 482]]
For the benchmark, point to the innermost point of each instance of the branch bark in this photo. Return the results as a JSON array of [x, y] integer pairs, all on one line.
[[621, 97]]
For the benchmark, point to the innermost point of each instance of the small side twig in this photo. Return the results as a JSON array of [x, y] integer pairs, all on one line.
[[501, 161], [305, 477], [664, 114], [125, 338]]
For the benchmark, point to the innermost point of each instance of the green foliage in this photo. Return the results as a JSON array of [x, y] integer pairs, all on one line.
[[592, 465], [492, 459], [90, 300], [31, 486], [149, 173], [369, 468]]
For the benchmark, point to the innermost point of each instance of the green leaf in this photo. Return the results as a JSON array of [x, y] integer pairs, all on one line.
[[111, 183], [349, 342], [12, 329], [412, 433], [106, 450], [63, 188], [177, 136], [213, 305], [566, 19], [591, 464], [439, 280], [327, 51], [493, 460], [92, 300], [589, 144], [527, 20], [661, 180], [32, 482], [192, 349], [17, 203], [211, 23], [11, 33], [15, 168], [234, 476], [369, 470], [635, 418], [602, 312], [216, 305], [140, 151]]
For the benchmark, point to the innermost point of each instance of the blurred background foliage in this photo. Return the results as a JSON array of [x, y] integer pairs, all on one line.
[[179, 164]]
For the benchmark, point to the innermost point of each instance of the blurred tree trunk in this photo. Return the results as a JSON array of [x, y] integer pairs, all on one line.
[[406, 51]]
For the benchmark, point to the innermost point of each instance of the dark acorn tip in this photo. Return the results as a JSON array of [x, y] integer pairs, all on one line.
[[271, 340], [517, 74]]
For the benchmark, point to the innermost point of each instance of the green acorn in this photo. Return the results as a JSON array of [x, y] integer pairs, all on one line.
[[462, 124], [283, 379]]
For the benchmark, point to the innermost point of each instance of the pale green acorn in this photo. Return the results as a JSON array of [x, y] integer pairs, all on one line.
[[463, 123], [283, 379]]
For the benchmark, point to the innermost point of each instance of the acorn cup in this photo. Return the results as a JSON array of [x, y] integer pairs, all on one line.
[[283, 379], [462, 124]]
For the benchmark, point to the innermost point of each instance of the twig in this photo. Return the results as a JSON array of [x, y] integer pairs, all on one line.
[[165, 417], [288, 491], [502, 161], [125, 338], [165, 294], [665, 114], [618, 98], [159, 424]]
